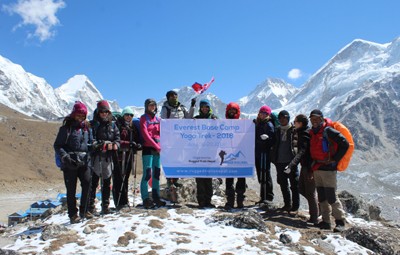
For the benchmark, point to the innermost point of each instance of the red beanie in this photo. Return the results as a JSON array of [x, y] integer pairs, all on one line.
[[79, 108], [103, 105]]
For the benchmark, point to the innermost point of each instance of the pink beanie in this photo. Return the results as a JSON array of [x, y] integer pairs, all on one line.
[[265, 108], [79, 108]]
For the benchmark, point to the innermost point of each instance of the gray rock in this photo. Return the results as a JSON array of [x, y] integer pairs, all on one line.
[[358, 207], [53, 230], [8, 252], [381, 240], [285, 238], [250, 219]]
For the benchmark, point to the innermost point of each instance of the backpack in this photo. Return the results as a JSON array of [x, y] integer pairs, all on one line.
[[57, 157], [116, 115], [344, 162], [274, 119]]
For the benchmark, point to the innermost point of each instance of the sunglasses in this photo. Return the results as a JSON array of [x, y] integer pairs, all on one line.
[[104, 111], [130, 115]]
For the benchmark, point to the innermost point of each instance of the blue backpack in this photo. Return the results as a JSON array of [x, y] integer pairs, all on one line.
[[57, 156]]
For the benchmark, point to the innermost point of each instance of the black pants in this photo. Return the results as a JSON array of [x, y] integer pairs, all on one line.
[[204, 191], [105, 191], [71, 176], [283, 180], [263, 168], [121, 181]]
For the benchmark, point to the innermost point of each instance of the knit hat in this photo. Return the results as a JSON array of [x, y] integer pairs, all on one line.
[[103, 105], [317, 113], [171, 93], [265, 108], [303, 119], [146, 104], [79, 108], [232, 106], [127, 110], [205, 102], [284, 113]]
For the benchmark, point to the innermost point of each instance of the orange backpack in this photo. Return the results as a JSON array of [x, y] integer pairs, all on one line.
[[344, 162]]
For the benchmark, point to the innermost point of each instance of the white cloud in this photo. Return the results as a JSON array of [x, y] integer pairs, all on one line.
[[295, 74], [38, 13]]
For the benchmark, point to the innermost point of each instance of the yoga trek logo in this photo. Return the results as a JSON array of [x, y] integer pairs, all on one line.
[[232, 158]]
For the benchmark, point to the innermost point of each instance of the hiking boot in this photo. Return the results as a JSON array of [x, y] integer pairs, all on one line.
[[324, 225], [209, 205], [228, 206], [159, 202], [340, 226], [75, 219], [148, 203], [87, 215], [240, 204], [285, 208], [105, 210]]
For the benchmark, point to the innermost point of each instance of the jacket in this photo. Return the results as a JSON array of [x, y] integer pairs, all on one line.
[[327, 158]]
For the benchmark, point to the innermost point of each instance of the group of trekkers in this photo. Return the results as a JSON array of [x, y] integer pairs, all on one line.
[[104, 149]]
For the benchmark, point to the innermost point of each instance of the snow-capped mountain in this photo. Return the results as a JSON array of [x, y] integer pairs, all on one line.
[[358, 86], [79, 88], [27, 93], [355, 66], [273, 92], [33, 96]]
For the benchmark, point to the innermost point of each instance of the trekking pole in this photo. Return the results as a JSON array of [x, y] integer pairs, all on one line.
[[263, 176], [134, 167], [90, 186], [123, 174]]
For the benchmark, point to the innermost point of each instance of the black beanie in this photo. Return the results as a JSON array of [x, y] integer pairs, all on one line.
[[317, 113], [171, 93], [284, 113]]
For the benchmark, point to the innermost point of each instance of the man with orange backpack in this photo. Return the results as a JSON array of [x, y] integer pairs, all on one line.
[[327, 148]]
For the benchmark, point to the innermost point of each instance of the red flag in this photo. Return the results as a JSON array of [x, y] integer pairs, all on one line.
[[199, 89]]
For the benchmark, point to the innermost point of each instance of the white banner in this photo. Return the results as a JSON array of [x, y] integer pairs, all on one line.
[[207, 148]]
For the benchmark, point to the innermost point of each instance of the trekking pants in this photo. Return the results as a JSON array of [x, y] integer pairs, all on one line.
[[283, 179], [71, 176], [263, 168], [326, 184], [151, 169]]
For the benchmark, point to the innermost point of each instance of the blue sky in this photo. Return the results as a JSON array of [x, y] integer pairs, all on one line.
[[132, 50]]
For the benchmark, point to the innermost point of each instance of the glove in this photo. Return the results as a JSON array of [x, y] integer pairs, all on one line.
[[69, 161], [132, 145], [287, 169], [193, 102], [138, 146], [264, 136]]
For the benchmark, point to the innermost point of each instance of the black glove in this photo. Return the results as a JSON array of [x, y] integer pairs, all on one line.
[[132, 145], [69, 161], [138, 146], [193, 102]]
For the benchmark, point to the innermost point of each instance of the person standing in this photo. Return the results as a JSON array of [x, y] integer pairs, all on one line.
[[129, 145], [150, 129], [204, 185], [301, 150], [72, 144], [173, 109], [282, 156], [107, 138], [325, 158], [264, 140], [233, 112]]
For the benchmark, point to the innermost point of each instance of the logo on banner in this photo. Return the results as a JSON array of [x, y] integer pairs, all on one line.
[[232, 158]]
